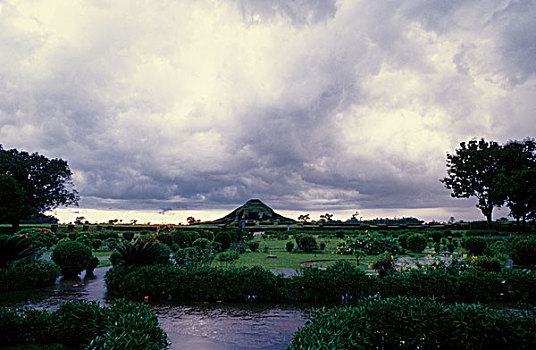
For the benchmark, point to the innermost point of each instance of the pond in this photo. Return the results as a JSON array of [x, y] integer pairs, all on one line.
[[196, 326]]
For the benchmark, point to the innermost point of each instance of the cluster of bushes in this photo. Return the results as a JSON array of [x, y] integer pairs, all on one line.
[[342, 281], [83, 324], [20, 266], [370, 244], [416, 323]]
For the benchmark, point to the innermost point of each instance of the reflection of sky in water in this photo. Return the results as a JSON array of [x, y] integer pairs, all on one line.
[[195, 326]]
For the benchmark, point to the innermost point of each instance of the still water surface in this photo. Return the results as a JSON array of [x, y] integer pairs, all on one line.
[[195, 326]]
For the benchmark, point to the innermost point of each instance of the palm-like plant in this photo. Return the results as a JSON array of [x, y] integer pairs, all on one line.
[[140, 254], [14, 248]]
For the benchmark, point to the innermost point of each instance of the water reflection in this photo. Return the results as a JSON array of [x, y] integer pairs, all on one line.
[[195, 326]]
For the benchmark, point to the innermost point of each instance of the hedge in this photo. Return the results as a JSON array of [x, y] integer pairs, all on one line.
[[416, 323]]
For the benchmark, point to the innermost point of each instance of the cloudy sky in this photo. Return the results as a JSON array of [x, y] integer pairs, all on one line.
[[174, 107]]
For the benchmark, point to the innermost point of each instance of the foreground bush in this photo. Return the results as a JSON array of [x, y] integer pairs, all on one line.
[[82, 324], [416, 323], [72, 257], [14, 248], [28, 274]]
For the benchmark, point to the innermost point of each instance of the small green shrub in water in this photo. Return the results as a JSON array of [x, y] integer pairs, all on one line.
[[28, 274], [72, 257]]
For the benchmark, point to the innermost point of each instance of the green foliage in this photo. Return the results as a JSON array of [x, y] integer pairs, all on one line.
[[14, 248], [28, 274], [140, 254], [83, 324], [223, 238], [11, 199], [228, 255], [487, 263], [39, 237], [370, 244], [415, 323], [44, 183], [342, 281], [403, 239], [253, 246], [182, 238], [72, 257], [436, 236], [524, 251], [202, 243], [128, 235], [384, 265], [475, 245], [193, 256], [289, 246], [416, 243], [306, 243]]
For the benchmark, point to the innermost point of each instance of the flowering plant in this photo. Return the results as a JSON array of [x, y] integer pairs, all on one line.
[[39, 237]]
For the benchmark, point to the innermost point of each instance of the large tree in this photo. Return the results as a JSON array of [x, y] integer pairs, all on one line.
[[516, 182], [472, 172], [36, 183]]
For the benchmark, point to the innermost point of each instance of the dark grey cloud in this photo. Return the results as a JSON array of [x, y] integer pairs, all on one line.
[[305, 104]]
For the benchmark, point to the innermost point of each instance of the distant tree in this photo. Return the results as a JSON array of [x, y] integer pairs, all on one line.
[[191, 220], [516, 182], [355, 216], [304, 217], [43, 184], [472, 171], [326, 217], [79, 220]]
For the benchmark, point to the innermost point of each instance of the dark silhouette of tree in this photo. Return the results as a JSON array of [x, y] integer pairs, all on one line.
[[472, 172], [326, 217], [304, 217], [43, 183], [516, 182]]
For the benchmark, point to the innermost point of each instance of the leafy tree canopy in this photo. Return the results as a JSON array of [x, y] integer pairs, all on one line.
[[35, 184]]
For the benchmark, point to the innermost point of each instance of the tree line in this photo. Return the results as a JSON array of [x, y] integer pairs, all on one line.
[[495, 175]]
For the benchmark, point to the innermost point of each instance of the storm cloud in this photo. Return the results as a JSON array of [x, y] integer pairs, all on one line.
[[307, 105]]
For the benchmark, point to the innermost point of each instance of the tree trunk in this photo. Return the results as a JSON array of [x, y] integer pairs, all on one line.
[[489, 220]]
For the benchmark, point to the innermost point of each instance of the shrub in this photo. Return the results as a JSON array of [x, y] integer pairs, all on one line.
[[487, 264], [39, 237], [140, 254], [415, 323], [76, 323], [224, 238], [28, 274], [193, 256], [475, 245], [289, 246], [322, 245], [416, 243], [306, 242], [14, 248], [202, 243], [369, 244], [384, 265], [128, 235], [524, 251], [253, 246], [72, 257], [403, 239], [23, 326], [228, 255], [436, 236]]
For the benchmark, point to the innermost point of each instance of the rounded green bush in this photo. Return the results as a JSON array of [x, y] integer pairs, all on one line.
[[416, 243], [201, 242], [524, 251], [289, 246], [72, 257], [182, 239], [475, 245], [128, 235], [224, 238], [306, 242]]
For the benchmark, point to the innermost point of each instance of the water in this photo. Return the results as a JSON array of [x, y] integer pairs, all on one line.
[[196, 326]]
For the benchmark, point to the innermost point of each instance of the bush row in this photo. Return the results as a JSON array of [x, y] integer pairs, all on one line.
[[28, 274], [342, 281], [416, 323], [83, 324]]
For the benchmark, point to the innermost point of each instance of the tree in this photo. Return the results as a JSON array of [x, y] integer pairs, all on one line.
[[516, 182], [191, 220], [304, 217], [42, 184], [11, 198], [472, 172], [326, 217]]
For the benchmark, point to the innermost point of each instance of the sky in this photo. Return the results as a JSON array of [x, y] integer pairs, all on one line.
[[166, 109]]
